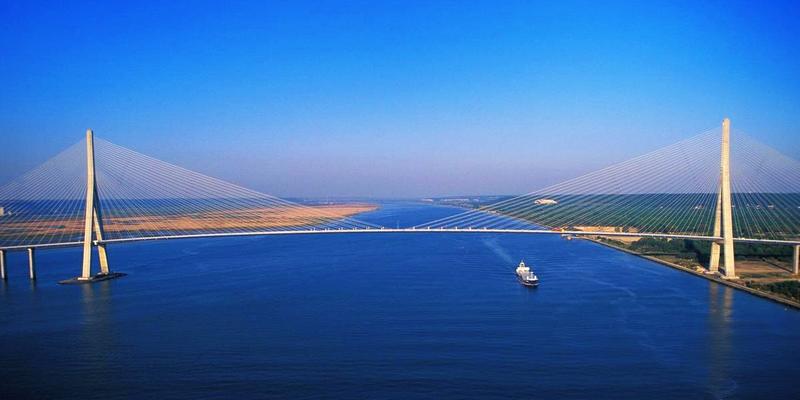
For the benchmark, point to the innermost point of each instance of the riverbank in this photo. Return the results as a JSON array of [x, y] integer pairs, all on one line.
[[711, 277], [116, 222]]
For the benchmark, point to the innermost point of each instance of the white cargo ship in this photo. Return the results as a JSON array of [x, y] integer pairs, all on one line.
[[526, 276]]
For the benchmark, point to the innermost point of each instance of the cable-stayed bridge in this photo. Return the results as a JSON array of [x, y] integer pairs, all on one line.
[[719, 186]]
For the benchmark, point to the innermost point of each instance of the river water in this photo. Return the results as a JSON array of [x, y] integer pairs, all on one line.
[[400, 316]]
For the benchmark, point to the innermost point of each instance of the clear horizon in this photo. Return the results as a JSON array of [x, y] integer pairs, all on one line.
[[393, 100]]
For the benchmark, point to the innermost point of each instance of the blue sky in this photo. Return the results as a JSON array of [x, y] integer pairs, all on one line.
[[393, 98]]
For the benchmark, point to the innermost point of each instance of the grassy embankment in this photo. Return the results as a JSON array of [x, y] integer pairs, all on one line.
[[762, 267]]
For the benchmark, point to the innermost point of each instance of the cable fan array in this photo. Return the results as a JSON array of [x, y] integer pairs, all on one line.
[[46, 205], [766, 190], [143, 197], [671, 190]]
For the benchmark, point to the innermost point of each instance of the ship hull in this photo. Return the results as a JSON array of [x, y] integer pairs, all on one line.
[[527, 283]]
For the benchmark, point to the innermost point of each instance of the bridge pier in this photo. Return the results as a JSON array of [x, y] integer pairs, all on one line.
[[796, 260], [3, 275], [32, 263]]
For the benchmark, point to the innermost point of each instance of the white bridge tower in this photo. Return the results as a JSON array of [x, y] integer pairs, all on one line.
[[93, 225], [723, 220]]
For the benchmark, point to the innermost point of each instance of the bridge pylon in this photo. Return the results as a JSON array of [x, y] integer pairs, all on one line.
[[93, 225], [723, 219]]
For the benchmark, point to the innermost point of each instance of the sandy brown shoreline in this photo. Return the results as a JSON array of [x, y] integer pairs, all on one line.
[[234, 219]]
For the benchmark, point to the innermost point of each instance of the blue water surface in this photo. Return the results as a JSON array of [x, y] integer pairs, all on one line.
[[400, 316]]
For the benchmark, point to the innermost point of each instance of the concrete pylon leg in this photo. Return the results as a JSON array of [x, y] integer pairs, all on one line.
[[101, 252], [713, 262], [727, 206], [89, 213], [98, 232], [3, 275], [31, 263], [796, 260]]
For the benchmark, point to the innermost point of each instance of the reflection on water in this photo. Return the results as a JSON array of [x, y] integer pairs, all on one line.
[[97, 336], [720, 309]]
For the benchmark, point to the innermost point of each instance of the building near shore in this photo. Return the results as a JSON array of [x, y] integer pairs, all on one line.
[[545, 202]]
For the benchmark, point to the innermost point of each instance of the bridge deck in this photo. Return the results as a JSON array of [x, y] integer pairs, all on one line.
[[401, 230]]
